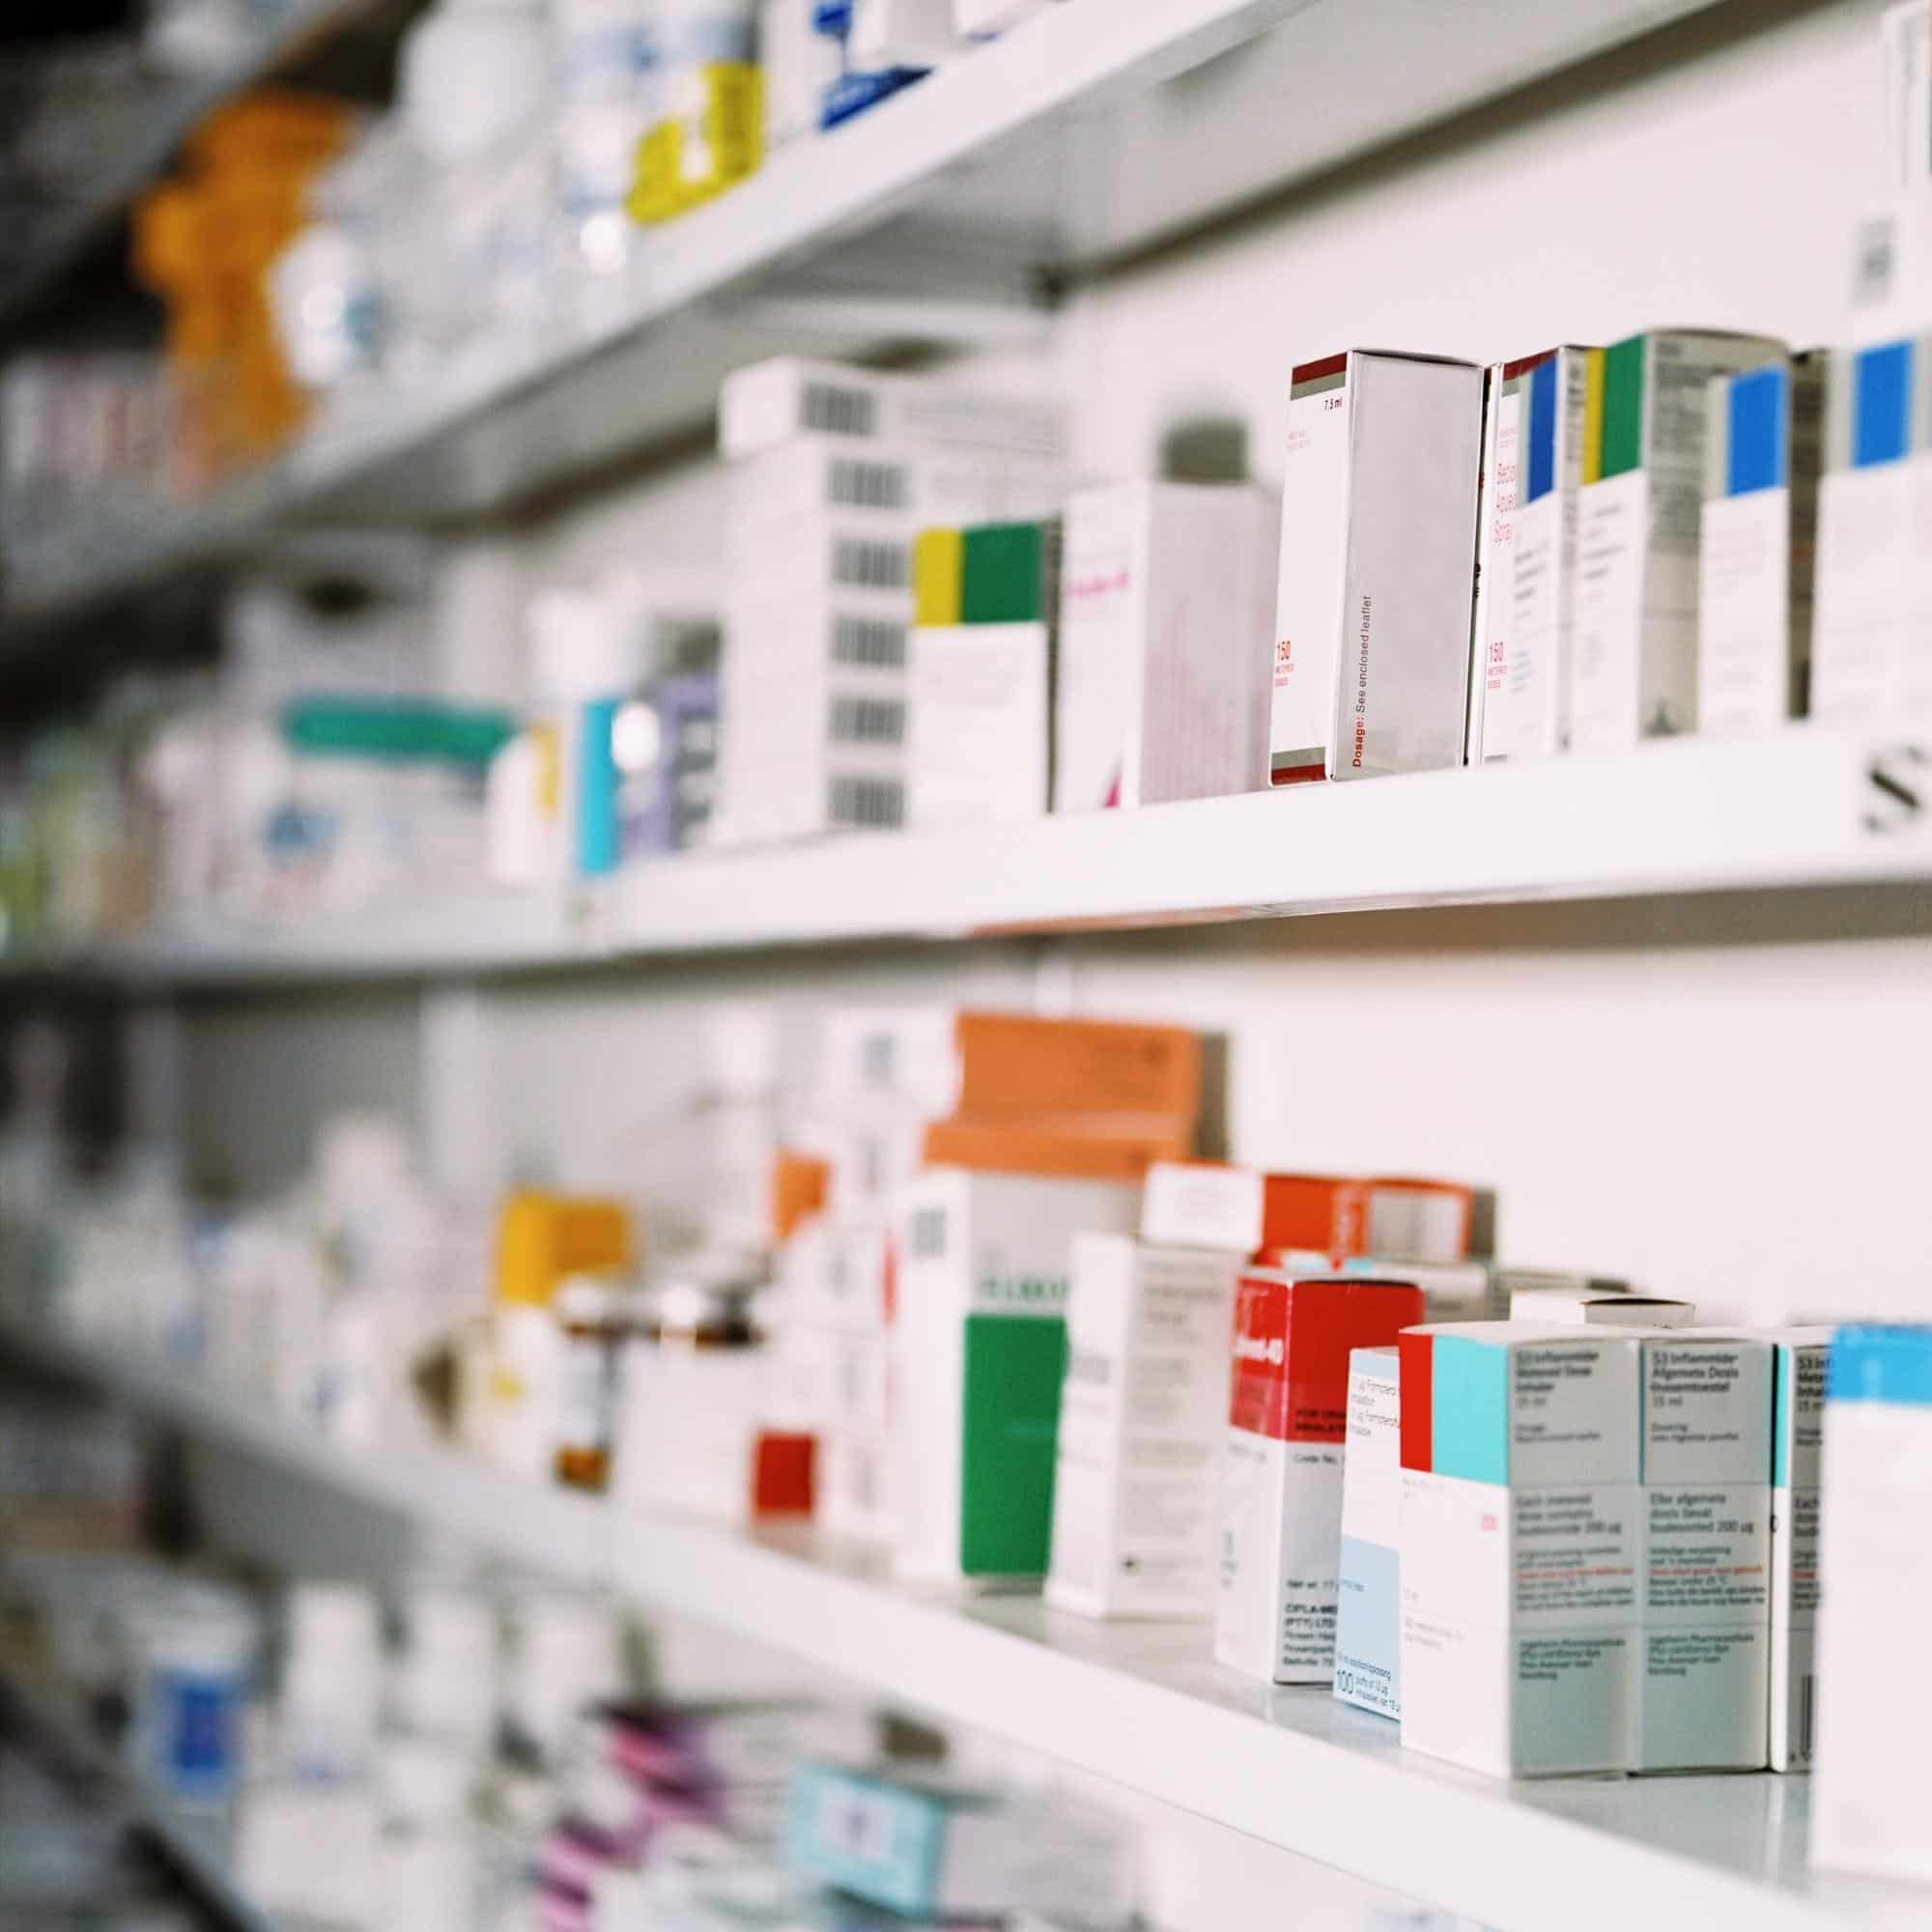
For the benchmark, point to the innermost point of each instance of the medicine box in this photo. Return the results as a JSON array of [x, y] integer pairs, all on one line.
[[1451, 1290], [1162, 686], [768, 402], [979, 1355], [1201, 1204], [1704, 1606], [1421, 1220], [1758, 546], [1281, 1483], [1526, 556], [1377, 566], [1635, 666], [1136, 1505], [1798, 1357], [1874, 1670], [1873, 586], [1368, 1606], [1584, 1303], [1522, 1500]]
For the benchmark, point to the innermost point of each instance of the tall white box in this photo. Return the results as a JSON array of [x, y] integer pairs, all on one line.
[[1758, 546], [1162, 682], [1526, 556], [1798, 1357], [1868, 1809], [1634, 669], [978, 1356], [1704, 1609], [1377, 566], [1522, 1504], [979, 737], [1136, 1498], [1368, 1604]]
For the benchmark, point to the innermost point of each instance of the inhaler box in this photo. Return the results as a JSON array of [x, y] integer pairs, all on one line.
[[1368, 1607], [1378, 565], [1522, 1500], [978, 1356], [1798, 1357], [768, 402], [1136, 1499], [1704, 1608], [1868, 1810], [1635, 663], [1162, 684], [1281, 1480], [1872, 608], [1758, 545], [1526, 556]]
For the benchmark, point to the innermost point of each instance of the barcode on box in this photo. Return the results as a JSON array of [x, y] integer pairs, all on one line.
[[868, 721], [870, 566], [867, 486], [839, 412], [869, 640], [928, 1234], [867, 801]]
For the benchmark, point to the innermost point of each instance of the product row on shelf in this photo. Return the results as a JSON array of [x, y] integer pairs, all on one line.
[[484, 1752], [313, 259], [970, 1300]]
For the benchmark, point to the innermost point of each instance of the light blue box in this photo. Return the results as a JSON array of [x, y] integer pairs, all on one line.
[[1368, 1610]]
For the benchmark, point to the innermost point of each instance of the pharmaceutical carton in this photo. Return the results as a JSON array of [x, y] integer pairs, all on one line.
[[1451, 1290], [832, 1275], [1522, 1500], [872, 1149], [1368, 1606], [1136, 1507], [1281, 1482], [1526, 556], [1634, 670], [1201, 1204], [1798, 1357], [1092, 1147], [1704, 1603], [1758, 546], [1874, 1671], [979, 1355], [1163, 675], [1424, 1220], [1378, 565], [1585, 1304], [768, 402], [1873, 602]]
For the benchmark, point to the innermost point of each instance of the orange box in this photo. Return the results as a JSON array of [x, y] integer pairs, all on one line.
[[1013, 1063], [541, 1237], [1415, 1220], [801, 1183], [1083, 1147]]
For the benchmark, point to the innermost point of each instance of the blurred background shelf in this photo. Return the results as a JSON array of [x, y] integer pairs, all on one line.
[[1799, 810], [946, 215], [1144, 1704]]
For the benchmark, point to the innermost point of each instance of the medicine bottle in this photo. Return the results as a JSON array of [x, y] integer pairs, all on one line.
[[591, 1321]]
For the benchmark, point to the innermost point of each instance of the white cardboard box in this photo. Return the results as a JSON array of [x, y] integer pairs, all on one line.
[[1136, 1500], [979, 1353], [979, 735], [1162, 683], [1526, 556], [1704, 1606], [1634, 669], [1368, 1606], [1798, 1434], [1758, 546], [1377, 566], [1522, 1503], [1201, 1204]]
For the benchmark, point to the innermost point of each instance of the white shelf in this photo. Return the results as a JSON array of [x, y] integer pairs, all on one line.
[[1798, 809], [1142, 1704], [932, 217]]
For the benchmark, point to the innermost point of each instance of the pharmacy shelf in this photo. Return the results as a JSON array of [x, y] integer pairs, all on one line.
[[153, 121], [192, 1849], [935, 217], [1141, 1704]]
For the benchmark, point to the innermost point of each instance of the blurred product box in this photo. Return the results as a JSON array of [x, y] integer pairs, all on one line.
[[1162, 684], [1421, 1220], [769, 403], [1586, 1305], [1521, 1506], [980, 1353], [1368, 1602], [1519, 669], [1092, 1147], [1873, 589], [1763, 450], [1634, 672], [1201, 1204], [1451, 1290], [1136, 1498], [1371, 662], [1280, 1485]]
